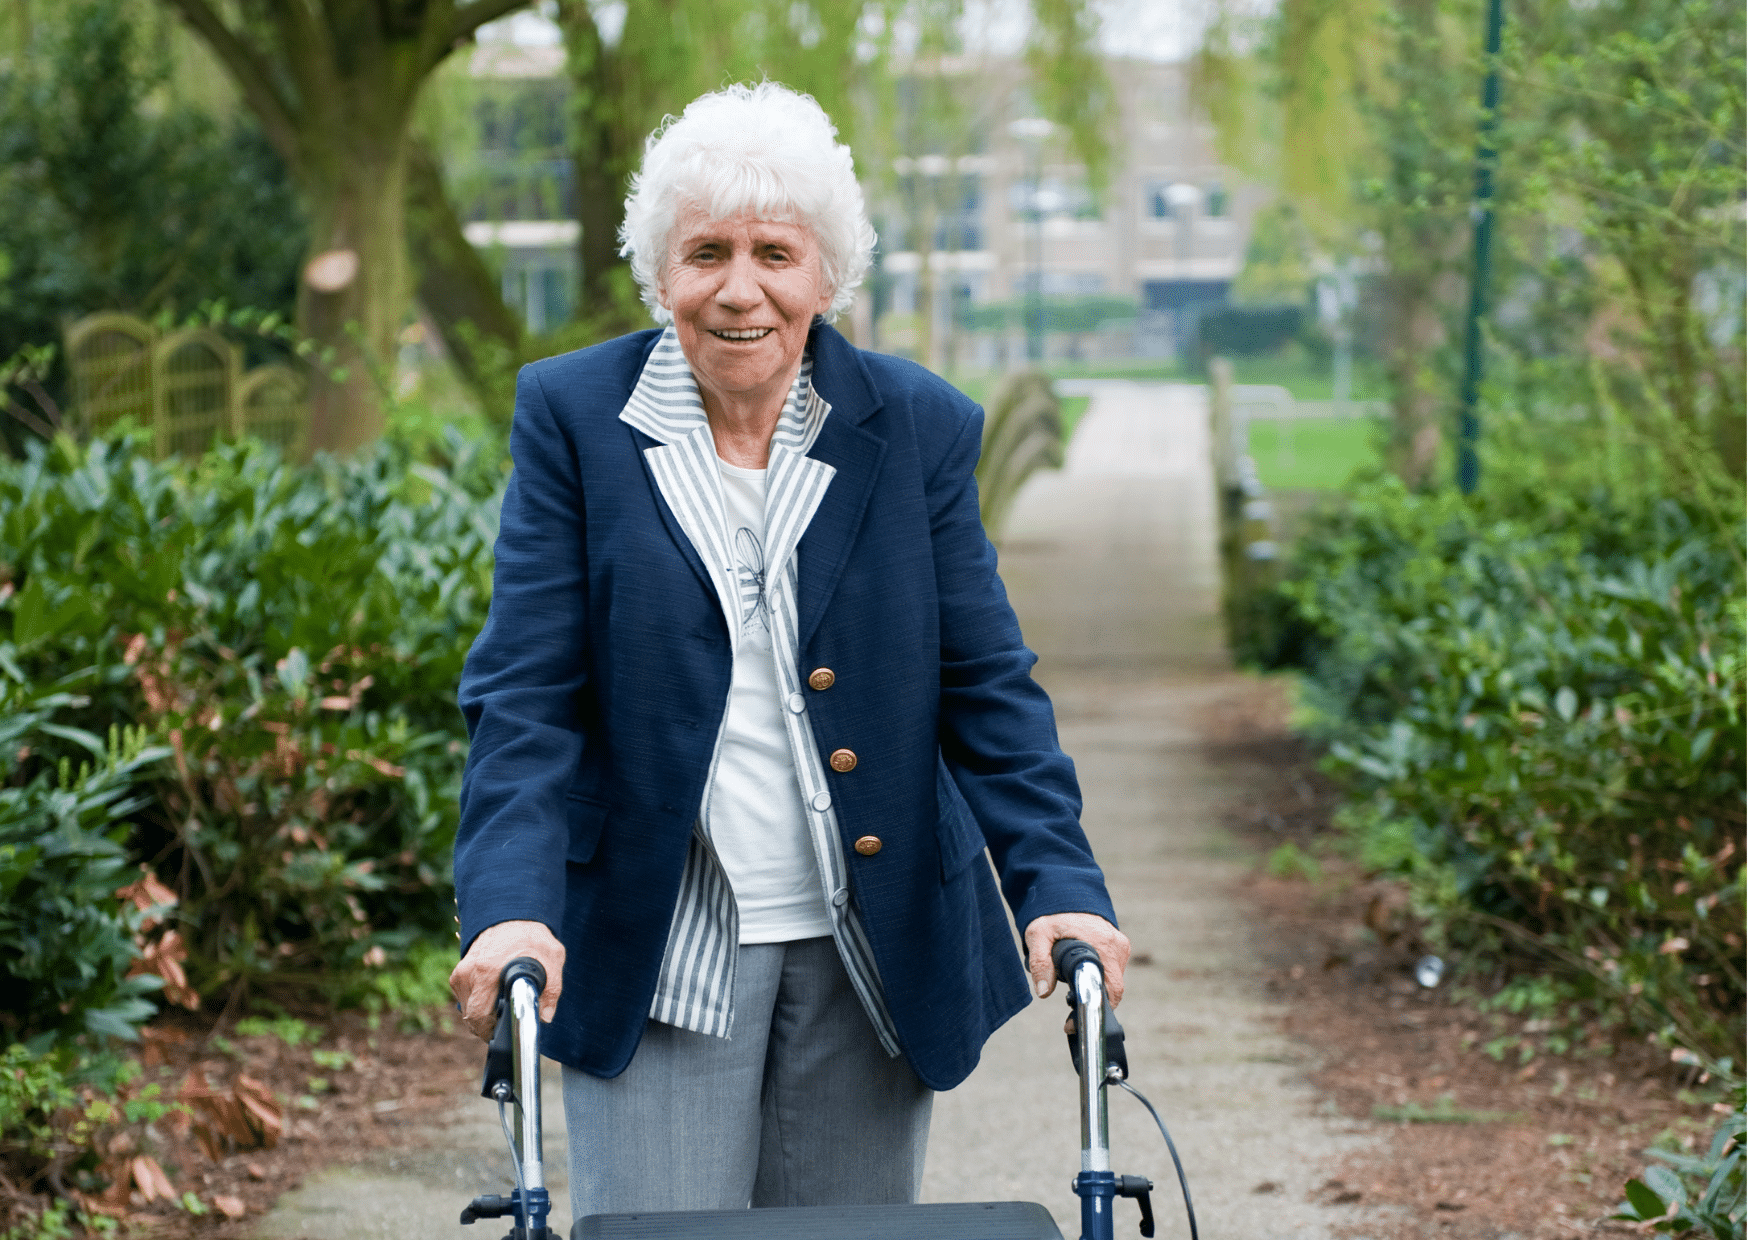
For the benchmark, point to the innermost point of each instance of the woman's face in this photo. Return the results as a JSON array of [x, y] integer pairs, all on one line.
[[743, 293]]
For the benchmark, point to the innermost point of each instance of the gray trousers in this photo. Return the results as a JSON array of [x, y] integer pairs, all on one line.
[[801, 1107]]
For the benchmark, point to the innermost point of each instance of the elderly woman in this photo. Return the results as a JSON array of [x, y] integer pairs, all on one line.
[[749, 708]]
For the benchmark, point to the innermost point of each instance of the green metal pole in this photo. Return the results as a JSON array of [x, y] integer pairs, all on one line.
[[1469, 421]]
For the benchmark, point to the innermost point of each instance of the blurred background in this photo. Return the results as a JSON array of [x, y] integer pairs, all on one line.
[[1458, 283]]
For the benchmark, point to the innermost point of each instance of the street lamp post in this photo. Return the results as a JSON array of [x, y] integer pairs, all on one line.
[[1031, 131], [1469, 420]]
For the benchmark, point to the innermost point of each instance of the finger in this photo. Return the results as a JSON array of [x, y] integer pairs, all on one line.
[[1038, 963], [1114, 956]]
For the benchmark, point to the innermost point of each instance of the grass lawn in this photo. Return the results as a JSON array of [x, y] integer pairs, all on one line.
[[1306, 378], [1315, 454]]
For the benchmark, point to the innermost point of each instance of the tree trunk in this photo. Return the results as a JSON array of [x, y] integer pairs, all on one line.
[[1414, 335], [483, 336], [357, 204]]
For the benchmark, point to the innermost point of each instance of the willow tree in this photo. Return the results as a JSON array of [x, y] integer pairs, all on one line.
[[842, 52], [653, 58], [334, 84], [1619, 247]]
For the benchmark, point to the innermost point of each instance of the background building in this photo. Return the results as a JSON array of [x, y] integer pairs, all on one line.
[[975, 208], [1011, 212]]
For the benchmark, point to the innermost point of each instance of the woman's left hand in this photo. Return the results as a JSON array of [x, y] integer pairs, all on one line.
[[1110, 943]]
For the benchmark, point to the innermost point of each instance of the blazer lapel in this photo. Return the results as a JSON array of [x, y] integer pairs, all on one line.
[[840, 378], [795, 483], [664, 406], [855, 455], [686, 475]]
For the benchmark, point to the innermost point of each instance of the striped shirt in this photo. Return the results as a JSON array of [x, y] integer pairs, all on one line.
[[695, 989]]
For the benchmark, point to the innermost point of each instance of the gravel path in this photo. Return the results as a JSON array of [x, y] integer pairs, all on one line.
[[1111, 566]]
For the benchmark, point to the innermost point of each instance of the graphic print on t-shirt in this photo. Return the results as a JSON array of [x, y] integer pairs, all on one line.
[[755, 611]]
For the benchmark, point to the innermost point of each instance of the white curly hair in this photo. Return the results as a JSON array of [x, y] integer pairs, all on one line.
[[761, 150]]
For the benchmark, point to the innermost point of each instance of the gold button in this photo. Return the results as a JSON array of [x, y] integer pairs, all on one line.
[[821, 678], [843, 760], [868, 845]]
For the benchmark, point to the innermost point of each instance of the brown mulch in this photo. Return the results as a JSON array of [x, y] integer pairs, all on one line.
[[387, 1091], [1530, 1150]]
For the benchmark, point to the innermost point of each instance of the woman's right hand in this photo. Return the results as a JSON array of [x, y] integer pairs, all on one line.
[[474, 983]]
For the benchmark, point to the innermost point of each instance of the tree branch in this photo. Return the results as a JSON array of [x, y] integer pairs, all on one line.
[[470, 17], [252, 73]]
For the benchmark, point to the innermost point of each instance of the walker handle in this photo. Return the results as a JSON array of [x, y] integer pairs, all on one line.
[[499, 1059], [1068, 954]]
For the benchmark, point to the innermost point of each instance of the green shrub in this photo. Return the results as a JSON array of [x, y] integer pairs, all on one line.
[[67, 1124], [292, 637], [66, 941], [1696, 1194], [1540, 718]]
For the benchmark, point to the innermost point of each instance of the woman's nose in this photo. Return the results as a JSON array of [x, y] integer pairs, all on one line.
[[739, 289]]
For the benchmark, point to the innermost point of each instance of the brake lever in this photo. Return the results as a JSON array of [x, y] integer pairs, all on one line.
[[498, 1084], [1116, 1055]]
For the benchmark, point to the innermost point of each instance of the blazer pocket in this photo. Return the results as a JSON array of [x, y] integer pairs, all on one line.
[[960, 838], [587, 815]]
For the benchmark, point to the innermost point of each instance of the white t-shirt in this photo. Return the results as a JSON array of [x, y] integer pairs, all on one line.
[[758, 825]]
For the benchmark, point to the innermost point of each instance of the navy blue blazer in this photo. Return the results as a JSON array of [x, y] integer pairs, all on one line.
[[595, 692]]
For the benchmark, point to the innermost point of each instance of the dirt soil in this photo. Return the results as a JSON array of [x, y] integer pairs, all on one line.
[[1529, 1148], [386, 1096]]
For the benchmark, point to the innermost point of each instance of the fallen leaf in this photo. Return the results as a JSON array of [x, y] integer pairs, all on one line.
[[229, 1206], [150, 1179]]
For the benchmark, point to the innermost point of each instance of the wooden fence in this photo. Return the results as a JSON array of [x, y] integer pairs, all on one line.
[[188, 387]]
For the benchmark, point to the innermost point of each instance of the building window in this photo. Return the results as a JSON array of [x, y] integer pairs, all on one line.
[[1155, 206], [1214, 201]]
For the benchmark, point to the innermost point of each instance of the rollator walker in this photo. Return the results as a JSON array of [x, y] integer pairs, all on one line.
[[1095, 1042]]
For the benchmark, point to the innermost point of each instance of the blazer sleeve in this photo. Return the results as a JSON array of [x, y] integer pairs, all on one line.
[[521, 686], [998, 731]]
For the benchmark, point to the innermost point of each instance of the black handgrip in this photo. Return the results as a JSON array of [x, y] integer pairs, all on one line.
[[521, 966], [500, 1059], [1070, 954]]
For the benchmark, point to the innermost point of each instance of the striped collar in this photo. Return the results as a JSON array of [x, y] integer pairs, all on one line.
[[666, 406]]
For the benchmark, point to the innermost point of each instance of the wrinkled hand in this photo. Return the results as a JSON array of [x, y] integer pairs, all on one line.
[[474, 983], [1110, 943]]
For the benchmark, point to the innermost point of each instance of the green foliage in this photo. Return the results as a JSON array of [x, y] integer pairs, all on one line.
[[1539, 713], [1061, 313], [63, 1117], [1695, 1194], [116, 195], [417, 992], [292, 637], [288, 1029], [1278, 263], [1291, 861], [66, 941], [1618, 252]]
